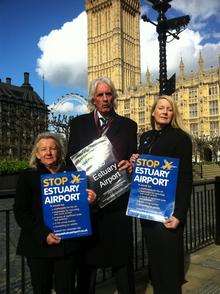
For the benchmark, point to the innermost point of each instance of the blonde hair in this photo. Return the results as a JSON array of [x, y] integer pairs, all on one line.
[[93, 87], [176, 121], [59, 143]]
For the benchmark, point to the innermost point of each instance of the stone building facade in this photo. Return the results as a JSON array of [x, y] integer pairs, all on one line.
[[197, 95], [114, 41], [23, 115], [114, 51]]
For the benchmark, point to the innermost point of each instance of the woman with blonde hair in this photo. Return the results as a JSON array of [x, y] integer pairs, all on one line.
[[48, 257], [164, 241]]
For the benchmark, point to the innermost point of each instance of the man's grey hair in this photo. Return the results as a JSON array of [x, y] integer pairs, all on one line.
[[60, 143], [93, 88]]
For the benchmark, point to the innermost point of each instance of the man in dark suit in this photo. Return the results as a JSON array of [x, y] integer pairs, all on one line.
[[111, 243]]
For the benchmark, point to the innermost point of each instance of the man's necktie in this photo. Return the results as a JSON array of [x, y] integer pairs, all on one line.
[[103, 123]]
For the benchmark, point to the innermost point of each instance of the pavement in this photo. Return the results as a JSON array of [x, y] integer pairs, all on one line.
[[203, 275]]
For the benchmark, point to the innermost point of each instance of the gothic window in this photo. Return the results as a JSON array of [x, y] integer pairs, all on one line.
[[127, 115], [193, 93], [214, 128], [141, 117], [193, 110], [127, 104], [175, 96], [213, 107], [194, 129], [141, 102], [213, 89]]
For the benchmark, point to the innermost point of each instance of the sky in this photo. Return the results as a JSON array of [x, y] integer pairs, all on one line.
[[50, 38]]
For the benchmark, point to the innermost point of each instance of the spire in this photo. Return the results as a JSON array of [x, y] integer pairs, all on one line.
[[181, 67], [148, 77], [43, 84], [201, 63], [219, 65]]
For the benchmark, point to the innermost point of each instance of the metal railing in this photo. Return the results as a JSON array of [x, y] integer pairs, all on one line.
[[202, 228], [200, 225], [14, 276]]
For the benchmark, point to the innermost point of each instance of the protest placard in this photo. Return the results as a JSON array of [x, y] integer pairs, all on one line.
[[65, 204], [153, 188], [100, 164]]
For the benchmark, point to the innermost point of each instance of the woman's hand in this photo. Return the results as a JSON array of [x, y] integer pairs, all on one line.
[[91, 195], [171, 223], [125, 164], [133, 158], [53, 239]]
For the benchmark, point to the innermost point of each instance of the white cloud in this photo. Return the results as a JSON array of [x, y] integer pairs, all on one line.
[[64, 54], [65, 107], [187, 47], [64, 51], [69, 108], [79, 109], [215, 35], [211, 53], [198, 9]]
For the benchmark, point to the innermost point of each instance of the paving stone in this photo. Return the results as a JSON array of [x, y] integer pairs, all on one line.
[[209, 288], [211, 263]]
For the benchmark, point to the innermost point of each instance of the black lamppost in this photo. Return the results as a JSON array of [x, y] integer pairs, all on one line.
[[164, 26]]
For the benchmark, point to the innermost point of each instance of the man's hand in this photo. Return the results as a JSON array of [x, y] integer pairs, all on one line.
[[125, 164], [133, 158], [91, 195], [53, 239], [171, 223]]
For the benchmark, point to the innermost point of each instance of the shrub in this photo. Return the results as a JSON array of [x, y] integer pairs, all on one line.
[[8, 167]]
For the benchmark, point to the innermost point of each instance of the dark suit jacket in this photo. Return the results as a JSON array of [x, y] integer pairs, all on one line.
[[122, 134], [112, 235]]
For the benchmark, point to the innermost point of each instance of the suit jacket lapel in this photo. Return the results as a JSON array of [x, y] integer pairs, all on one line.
[[114, 128], [92, 127]]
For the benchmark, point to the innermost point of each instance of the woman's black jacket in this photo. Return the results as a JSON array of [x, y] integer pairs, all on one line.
[[173, 142], [28, 214]]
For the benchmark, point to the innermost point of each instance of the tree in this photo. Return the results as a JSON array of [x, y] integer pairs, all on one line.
[[206, 148], [215, 146], [59, 123], [200, 144]]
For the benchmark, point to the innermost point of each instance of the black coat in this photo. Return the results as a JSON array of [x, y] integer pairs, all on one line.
[[172, 142], [165, 247], [29, 216], [111, 243]]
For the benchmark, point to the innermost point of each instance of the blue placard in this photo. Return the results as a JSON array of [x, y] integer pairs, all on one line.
[[65, 204], [153, 187]]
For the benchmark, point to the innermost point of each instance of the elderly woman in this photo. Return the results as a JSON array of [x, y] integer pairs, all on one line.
[[165, 240], [47, 255]]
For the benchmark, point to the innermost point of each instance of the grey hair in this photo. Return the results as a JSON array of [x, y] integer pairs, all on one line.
[[60, 143], [92, 91]]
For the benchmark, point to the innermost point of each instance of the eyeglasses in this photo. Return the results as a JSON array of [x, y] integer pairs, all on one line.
[[106, 94]]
